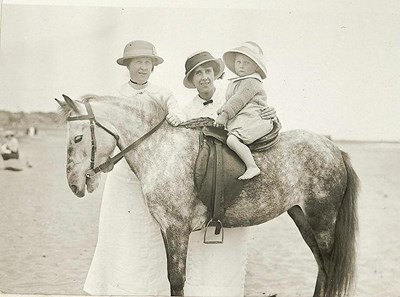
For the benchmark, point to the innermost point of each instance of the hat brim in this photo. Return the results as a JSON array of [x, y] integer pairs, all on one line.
[[229, 59], [188, 84], [124, 61]]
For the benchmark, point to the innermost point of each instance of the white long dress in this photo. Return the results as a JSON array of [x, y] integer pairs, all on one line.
[[130, 257], [215, 269]]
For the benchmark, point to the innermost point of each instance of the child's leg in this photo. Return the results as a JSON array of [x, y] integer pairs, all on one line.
[[244, 153]]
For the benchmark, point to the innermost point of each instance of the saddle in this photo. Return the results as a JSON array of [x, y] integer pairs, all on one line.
[[217, 169]]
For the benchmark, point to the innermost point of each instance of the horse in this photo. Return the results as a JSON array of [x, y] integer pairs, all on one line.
[[304, 174]]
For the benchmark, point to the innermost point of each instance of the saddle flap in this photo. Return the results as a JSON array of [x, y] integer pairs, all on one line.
[[216, 174]]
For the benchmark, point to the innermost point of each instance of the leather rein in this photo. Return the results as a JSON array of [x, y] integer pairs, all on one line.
[[92, 171]]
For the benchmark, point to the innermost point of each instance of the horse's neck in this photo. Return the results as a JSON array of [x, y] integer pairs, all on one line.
[[168, 147], [128, 121], [169, 150]]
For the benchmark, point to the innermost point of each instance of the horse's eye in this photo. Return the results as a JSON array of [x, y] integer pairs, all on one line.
[[78, 138]]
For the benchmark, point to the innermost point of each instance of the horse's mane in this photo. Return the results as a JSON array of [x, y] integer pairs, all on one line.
[[153, 107], [62, 114]]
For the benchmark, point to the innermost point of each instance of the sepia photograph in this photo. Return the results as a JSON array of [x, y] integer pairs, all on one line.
[[213, 148]]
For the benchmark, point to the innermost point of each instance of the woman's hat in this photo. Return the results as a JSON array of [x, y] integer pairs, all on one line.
[[251, 50], [9, 133], [139, 48], [199, 58]]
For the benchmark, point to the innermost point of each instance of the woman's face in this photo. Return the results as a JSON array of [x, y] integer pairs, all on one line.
[[203, 79], [140, 69], [244, 65]]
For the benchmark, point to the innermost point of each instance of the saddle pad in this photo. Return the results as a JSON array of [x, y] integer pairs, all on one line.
[[259, 145]]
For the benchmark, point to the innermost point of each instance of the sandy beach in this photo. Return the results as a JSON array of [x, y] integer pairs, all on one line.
[[48, 235]]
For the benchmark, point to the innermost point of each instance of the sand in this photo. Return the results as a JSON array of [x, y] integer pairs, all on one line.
[[48, 235]]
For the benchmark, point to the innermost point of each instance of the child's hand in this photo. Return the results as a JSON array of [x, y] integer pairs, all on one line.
[[221, 120], [173, 119]]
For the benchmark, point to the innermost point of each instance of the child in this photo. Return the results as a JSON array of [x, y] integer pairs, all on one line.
[[245, 98]]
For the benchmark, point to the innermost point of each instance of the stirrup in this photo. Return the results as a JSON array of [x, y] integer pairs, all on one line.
[[219, 229]]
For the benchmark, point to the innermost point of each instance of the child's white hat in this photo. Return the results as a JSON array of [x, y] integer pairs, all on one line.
[[249, 49]]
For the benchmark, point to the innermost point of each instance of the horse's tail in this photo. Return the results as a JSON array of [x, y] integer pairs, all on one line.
[[341, 269]]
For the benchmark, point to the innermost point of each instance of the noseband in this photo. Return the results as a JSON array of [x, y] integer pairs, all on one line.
[[111, 161]]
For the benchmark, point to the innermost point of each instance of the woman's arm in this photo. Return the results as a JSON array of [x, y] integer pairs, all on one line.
[[268, 113], [175, 115]]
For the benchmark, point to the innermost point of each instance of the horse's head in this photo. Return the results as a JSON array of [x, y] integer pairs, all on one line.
[[88, 145]]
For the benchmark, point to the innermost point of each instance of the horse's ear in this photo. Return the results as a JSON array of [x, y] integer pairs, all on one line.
[[70, 103], [62, 104]]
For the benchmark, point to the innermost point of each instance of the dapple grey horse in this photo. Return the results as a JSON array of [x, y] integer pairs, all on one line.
[[305, 175]]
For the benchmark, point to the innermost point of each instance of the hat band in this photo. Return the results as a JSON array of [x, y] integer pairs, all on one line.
[[138, 53], [197, 59]]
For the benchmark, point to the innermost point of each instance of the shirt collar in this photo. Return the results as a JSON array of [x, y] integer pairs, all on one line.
[[213, 97], [254, 75]]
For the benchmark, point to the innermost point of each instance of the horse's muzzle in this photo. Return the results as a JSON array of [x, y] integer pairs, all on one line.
[[76, 191]]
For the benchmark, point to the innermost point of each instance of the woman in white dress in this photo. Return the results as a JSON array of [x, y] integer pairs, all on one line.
[[130, 257], [213, 269]]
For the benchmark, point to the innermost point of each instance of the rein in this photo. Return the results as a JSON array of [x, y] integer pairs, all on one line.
[[113, 160]]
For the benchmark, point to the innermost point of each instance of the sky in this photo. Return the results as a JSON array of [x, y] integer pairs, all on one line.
[[333, 66]]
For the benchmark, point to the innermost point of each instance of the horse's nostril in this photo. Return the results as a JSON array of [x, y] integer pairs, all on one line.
[[74, 188]]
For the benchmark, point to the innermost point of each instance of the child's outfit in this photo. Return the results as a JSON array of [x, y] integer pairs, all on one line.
[[245, 100], [246, 97]]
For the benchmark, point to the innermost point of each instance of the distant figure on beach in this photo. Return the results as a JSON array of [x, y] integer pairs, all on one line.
[[10, 150], [31, 131]]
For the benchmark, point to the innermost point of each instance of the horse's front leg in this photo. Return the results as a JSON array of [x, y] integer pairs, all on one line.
[[176, 241]]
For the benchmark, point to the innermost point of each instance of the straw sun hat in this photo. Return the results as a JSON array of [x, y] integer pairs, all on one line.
[[137, 49], [199, 58], [249, 49]]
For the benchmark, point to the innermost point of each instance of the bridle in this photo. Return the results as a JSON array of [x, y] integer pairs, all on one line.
[[92, 171]]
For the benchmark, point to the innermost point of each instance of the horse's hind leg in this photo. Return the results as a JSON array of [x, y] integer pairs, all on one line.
[[298, 216]]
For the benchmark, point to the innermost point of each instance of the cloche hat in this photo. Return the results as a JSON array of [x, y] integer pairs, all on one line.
[[139, 48], [249, 49], [199, 58]]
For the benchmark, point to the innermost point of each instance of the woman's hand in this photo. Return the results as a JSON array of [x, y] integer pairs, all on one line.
[[268, 113], [221, 120], [173, 119]]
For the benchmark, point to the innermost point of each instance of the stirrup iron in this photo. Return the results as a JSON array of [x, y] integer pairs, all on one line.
[[219, 229]]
